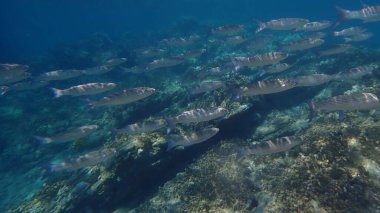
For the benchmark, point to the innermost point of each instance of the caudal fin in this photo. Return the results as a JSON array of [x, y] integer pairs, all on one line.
[[3, 90], [312, 110], [43, 140], [171, 144], [170, 124], [343, 15], [261, 26], [57, 92]]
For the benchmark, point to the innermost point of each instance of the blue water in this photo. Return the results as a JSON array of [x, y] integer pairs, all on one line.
[[57, 34]]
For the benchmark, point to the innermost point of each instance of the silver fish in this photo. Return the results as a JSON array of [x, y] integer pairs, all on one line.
[[205, 86], [145, 126], [272, 146], [99, 70], [180, 42], [114, 62], [313, 80], [228, 29], [124, 97], [355, 73], [267, 87], [259, 60], [191, 138], [199, 115], [352, 31], [191, 54], [281, 24], [84, 89], [164, 63], [315, 26], [58, 75], [277, 68], [67, 136], [359, 37], [150, 52], [7, 70], [303, 44], [235, 40], [366, 14], [88, 159], [14, 78], [351, 102], [336, 49]]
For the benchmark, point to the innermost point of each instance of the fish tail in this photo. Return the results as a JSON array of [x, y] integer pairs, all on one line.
[[241, 153], [261, 26], [236, 64], [3, 90], [43, 140], [312, 110], [171, 143], [57, 92], [237, 94], [90, 104], [170, 124], [343, 14], [347, 39]]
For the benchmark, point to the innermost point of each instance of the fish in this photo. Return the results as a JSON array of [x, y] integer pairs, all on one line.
[[281, 24], [259, 60], [315, 35], [352, 31], [67, 136], [303, 44], [258, 43], [349, 102], [315, 26], [28, 85], [142, 127], [205, 86], [228, 29], [266, 87], [191, 138], [359, 37], [277, 145], [150, 52], [366, 14], [3, 90], [336, 49], [85, 160], [114, 62], [313, 80], [277, 68], [14, 78], [84, 89], [98, 70], [196, 116], [7, 70], [58, 75], [191, 54], [234, 40], [164, 63], [180, 42], [355, 73], [141, 68], [124, 97]]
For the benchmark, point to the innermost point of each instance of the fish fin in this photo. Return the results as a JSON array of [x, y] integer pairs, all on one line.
[[262, 72], [261, 26], [114, 133], [43, 140], [57, 92], [53, 167], [241, 153], [171, 143], [3, 90], [342, 15], [237, 94], [90, 104], [236, 64], [347, 39], [341, 115], [170, 124], [312, 110]]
